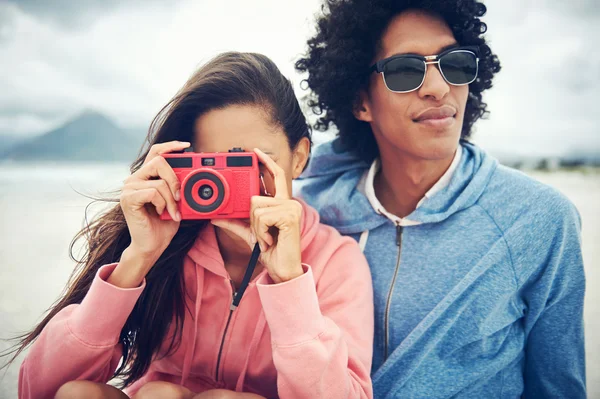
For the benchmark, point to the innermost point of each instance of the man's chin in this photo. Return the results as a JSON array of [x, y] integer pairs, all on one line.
[[422, 142], [437, 147]]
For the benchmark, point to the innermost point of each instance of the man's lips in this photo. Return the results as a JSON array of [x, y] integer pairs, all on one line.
[[439, 113]]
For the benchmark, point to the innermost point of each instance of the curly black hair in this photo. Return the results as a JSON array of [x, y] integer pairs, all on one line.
[[348, 36]]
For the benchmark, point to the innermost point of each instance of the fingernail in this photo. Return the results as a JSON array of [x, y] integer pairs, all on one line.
[[178, 216], [177, 196], [252, 238]]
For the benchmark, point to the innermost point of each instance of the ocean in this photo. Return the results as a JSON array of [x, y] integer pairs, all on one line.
[[43, 206]]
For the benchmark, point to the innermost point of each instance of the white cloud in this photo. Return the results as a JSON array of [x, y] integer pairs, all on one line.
[[544, 99], [129, 59], [130, 62]]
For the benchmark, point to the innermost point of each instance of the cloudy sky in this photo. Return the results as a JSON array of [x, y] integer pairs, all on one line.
[[127, 58]]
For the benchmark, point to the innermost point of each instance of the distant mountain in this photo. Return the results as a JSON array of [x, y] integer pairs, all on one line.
[[8, 141], [89, 137]]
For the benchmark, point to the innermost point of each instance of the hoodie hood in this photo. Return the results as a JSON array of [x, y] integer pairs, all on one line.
[[331, 185]]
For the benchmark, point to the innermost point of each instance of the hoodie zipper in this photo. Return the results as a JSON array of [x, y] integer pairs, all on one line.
[[231, 309], [235, 300], [399, 230]]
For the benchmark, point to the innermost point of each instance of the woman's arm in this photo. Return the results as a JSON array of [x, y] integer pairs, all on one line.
[[323, 334], [81, 342]]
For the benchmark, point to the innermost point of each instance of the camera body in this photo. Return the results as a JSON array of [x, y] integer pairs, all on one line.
[[215, 185]]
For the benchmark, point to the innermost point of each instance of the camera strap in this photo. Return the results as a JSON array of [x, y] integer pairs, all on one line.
[[237, 297]]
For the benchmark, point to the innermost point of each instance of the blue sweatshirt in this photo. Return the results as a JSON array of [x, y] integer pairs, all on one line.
[[483, 297]]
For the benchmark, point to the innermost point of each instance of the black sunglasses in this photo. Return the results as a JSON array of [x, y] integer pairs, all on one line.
[[404, 73]]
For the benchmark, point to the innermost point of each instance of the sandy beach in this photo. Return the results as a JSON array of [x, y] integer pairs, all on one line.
[[42, 211]]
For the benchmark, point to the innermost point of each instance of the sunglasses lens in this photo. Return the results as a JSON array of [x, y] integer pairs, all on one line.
[[404, 74], [459, 67]]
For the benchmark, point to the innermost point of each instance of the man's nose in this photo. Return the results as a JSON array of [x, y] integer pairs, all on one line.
[[434, 85]]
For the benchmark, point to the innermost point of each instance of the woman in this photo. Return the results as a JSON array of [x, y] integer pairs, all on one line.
[[157, 294]]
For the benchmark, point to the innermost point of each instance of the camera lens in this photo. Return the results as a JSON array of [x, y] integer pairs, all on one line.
[[206, 192]]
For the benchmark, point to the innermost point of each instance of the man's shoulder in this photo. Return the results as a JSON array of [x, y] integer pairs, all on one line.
[[321, 191], [329, 170], [512, 197], [536, 221]]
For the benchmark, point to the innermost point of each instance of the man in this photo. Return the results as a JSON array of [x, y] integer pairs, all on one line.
[[477, 269]]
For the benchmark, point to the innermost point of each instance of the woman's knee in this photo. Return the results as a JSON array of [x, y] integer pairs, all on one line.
[[88, 390], [162, 389]]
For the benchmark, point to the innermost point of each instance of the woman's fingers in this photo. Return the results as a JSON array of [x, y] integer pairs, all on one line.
[[261, 223], [283, 215], [281, 188], [163, 148], [158, 168], [163, 188], [263, 235], [287, 212], [258, 201], [137, 199]]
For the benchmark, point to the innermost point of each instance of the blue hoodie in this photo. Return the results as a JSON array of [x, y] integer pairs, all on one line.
[[483, 298]]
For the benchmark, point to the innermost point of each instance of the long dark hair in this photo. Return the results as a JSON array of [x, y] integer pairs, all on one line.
[[229, 79]]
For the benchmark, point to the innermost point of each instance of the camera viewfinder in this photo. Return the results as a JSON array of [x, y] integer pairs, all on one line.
[[208, 162]]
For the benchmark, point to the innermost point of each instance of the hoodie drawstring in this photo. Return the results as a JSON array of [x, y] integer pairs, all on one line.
[[362, 242], [258, 331], [189, 355]]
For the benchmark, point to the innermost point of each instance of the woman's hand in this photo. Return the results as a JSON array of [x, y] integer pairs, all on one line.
[[146, 194], [274, 224]]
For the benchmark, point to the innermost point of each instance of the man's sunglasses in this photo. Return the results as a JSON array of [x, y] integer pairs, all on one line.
[[404, 73]]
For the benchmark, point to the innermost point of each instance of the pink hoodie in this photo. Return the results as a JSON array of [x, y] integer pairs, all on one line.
[[310, 337]]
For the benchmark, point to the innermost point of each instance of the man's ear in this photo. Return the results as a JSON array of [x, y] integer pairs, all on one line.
[[362, 107], [300, 157]]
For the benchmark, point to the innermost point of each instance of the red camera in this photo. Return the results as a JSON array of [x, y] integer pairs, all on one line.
[[215, 185]]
